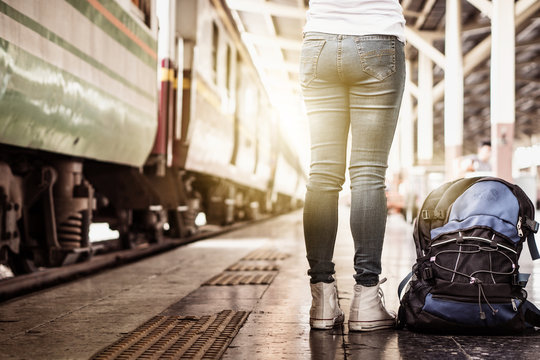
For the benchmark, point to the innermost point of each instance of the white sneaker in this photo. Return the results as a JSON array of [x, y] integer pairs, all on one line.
[[367, 309], [325, 312]]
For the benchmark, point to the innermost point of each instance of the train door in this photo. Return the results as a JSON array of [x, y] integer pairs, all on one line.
[[185, 34]]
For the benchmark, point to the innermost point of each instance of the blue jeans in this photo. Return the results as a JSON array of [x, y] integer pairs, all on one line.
[[357, 82]]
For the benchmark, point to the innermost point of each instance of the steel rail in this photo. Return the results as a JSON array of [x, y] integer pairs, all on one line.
[[28, 283]]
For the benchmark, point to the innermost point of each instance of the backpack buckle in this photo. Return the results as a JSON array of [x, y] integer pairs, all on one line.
[[520, 279], [439, 214], [427, 273], [531, 224], [433, 214]]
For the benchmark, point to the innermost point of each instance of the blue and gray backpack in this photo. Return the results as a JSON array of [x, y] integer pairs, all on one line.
[[468, 236]]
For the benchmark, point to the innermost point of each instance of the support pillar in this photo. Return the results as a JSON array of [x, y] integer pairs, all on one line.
[[406, 122], [401, 157], [453, 89], [425, 109], [502, 87]]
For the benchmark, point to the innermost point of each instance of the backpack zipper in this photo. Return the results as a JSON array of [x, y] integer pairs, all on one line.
[[514, 305], [518, 226]]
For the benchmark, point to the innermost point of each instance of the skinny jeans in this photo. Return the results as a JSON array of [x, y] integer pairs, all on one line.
[[349, 82]]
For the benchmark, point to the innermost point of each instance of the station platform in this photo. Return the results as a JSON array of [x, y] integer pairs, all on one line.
[[176, 305]]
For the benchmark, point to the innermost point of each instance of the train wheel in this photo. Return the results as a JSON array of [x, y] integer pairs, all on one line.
[[138, 228], [220, 204], [12, 264], [241, 206], [128, 238], [6, 268], [254, 205]]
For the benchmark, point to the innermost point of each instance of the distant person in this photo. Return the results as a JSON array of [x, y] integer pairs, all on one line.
[[352, 75], [479, 162]]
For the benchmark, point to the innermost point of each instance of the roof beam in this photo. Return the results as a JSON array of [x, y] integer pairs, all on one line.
[[524, 10], [524, 5], [283, 43], [418, 41], [275, 47], [267, 8], [252, 41], [285, 66], [404, 5], [485, 6], [413, 89], [425, 12]]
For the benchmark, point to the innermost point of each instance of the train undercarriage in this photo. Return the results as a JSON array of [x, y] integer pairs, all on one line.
[[48, 203]]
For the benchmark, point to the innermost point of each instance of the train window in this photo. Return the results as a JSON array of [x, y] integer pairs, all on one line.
[[215, 44], [146, 10]]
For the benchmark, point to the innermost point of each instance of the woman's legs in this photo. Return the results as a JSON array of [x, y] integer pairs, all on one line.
[[356, 82], [374, 110], [361, 88], [372, 132], [327, 107]]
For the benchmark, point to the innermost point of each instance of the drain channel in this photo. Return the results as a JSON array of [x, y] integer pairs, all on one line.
[[175, 337]]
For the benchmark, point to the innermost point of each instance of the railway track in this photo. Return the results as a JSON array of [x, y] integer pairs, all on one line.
[[47, 277]]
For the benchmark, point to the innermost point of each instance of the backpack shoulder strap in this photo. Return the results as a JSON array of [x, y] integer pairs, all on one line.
[[527, 220], [426, 215], [435, 212], [533, 249], [403, 283], [451, 194], [531, 313]]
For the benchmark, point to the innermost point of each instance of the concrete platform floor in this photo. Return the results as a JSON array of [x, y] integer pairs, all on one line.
[[75, 320]]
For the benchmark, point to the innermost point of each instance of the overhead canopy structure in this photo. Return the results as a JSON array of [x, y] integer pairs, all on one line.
[[463, 50]]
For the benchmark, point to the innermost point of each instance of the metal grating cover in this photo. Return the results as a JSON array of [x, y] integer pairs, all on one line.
[[242, 266], [235, 278], [265, 254], [178, 337]]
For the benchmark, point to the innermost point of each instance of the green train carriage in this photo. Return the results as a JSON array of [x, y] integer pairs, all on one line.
[[97, 125], [77, 84]]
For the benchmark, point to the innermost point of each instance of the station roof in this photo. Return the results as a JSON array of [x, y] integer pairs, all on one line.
[[272, 32]]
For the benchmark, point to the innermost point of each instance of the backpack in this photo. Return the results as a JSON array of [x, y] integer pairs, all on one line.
[[469, 235]]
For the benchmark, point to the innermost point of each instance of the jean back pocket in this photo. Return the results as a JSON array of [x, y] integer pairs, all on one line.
[[311, 50], [378, 58]]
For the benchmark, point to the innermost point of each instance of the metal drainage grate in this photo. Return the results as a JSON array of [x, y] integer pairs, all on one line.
[[235, 278], [241, 266], [265, 254], [178, 337]]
